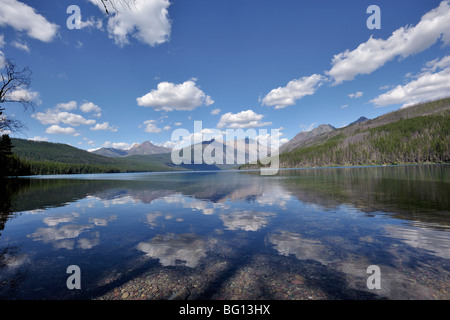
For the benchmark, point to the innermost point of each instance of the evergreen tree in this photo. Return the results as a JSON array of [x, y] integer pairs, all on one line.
[[5, 146], [5, 154]]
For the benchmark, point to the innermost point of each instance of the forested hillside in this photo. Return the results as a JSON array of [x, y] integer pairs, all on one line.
[[57, 158], [417, 134]]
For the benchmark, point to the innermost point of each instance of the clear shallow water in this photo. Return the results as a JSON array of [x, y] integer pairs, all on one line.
[[302, 234]]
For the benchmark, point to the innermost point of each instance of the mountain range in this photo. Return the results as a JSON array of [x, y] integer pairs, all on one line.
[[145, 148], [417, 134], [414, 134]]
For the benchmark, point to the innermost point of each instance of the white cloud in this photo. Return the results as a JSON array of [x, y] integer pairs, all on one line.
[[88, 107], [241, 120], [21, 45], [385, 87], [2, 40], [151, 126], [405, 41], [307, 128], [428, 85], [206, 134], [169, 96], [55, 129], [178, 124], [215, 111], [356, 95], [118, 145], [167, 128], [23, 94], [146, 20], [69, 106], [52, 117], [104, 126], [344, 106], [22, 17], [91, 22], [58, 114], [171, 144], [438, 64], [38, 138], [296, 89], [273, 138]]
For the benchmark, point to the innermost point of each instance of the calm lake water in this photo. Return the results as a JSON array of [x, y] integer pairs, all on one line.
[[301, 234]]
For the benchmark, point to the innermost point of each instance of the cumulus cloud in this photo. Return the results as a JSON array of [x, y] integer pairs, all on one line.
[[52, 117], [404, 42], [89, 107], [307, 128], [437, 64], [151, 126], [118, 145], [215, 111], [38, 138], [104, 126], [24, 18], [242, 120], [273, 139], [169, 96], [356, 95], [296, 89], [92, 22], [55, 129], [146, 20], [430, 84], [59, 114], [23, 94], [66, 106]]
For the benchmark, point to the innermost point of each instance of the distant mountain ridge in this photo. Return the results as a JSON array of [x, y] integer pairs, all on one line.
[[360, 120], [417, 134], [145, 148], [301, 138], [58, 158]]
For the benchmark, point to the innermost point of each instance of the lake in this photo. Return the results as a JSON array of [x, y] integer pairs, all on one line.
[[300, 234]]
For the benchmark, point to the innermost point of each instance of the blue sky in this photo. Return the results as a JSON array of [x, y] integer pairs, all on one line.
[[265, 64]]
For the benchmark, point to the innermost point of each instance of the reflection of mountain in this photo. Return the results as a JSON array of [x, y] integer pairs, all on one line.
[[417, 193], [303, 137], [175, 250]]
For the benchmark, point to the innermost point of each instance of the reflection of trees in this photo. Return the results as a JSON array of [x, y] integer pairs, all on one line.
[[9, 189], [409, 192]]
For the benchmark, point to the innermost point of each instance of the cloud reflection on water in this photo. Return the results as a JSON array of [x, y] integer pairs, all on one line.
[[175, 250]]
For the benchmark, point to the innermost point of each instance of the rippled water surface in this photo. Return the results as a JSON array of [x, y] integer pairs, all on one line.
[[301, 234]]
